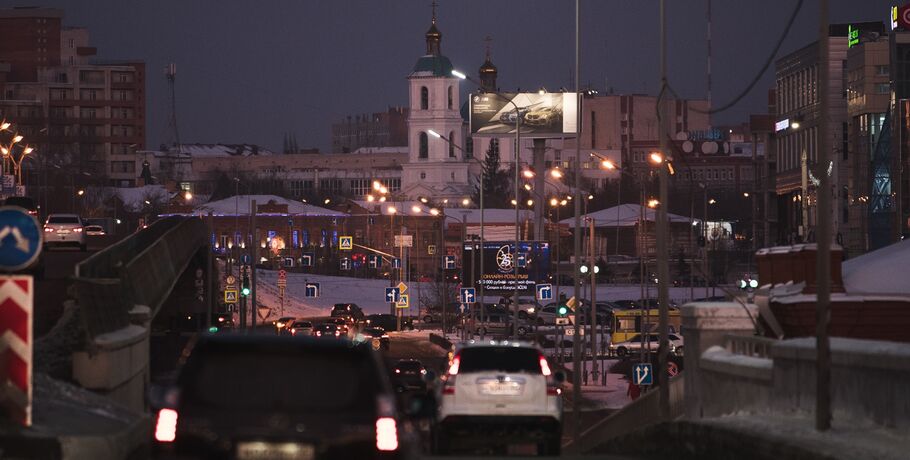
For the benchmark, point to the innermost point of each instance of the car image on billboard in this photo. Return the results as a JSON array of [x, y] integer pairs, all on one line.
[[542, 114]]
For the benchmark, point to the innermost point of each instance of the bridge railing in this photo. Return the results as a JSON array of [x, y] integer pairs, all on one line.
[[141, 269]]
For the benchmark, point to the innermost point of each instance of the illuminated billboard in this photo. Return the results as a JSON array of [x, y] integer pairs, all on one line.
[[541, 114], [533, 260]]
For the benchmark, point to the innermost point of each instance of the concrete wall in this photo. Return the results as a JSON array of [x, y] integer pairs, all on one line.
[[870, 380], [735, 382], [116, 366]]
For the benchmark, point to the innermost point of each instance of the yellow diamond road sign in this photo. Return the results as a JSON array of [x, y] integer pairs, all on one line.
[[402, 288], [230, 295], [346, 243]]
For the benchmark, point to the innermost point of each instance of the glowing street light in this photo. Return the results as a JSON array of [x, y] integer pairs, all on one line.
[[530, 202], [652, 203], [17, 138], [377, 185], [5, 125], [434, 212], [327, 200], [187, 196], [465, 202], [528, 187], [528, 173], [371, 198], [556, 173], [656, 158], [514, 203], [391, 209], [415, 209], [554, 202], [712, 201], [434, 134], [82, 192]]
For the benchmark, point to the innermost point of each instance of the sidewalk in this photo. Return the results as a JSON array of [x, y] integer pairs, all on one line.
[[612, 396]]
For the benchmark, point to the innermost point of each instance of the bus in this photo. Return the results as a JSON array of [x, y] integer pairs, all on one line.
[[627, 323]]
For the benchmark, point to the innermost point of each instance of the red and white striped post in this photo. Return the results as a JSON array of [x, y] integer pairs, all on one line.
[[16, 314]]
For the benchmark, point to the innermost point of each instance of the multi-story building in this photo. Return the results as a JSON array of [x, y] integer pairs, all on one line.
[[380, 129], [82, 114], [797, 126], [868, 105], [891, 193]]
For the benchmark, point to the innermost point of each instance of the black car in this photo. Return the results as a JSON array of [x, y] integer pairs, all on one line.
[[408, 374], [389, 322], [349, 310], [377, 337], [328, 330], [265, 396]]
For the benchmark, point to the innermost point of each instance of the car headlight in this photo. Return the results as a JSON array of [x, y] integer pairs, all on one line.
[[531, 310]]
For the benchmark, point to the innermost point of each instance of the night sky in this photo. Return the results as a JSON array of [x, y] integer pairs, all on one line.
[[250, 71]]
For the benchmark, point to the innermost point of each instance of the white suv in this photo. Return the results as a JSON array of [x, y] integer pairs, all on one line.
[[497, 391], [64, 229]]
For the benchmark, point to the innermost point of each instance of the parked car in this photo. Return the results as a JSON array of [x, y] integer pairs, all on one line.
[[493, 388], [64, 229], [23, 202], [316, 398], [634, 344]]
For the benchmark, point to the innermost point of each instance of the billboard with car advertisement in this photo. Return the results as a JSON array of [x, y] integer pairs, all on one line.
[[542, 114], [498, 277]]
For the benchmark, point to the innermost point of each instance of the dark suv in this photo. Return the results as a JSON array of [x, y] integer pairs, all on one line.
[[348, 311], [278, 397]]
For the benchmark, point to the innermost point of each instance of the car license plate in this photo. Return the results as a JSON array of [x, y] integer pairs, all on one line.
[[63, 232], [275, 450], [497, 388]]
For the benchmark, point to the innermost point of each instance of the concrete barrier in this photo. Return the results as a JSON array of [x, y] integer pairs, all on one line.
[[116, 366]]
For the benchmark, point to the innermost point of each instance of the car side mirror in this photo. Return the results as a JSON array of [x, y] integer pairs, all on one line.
[[559, 377]]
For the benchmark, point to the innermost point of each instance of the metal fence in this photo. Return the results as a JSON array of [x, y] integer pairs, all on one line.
[[141, 269]]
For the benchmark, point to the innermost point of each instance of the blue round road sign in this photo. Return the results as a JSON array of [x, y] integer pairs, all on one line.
[[20, 239]]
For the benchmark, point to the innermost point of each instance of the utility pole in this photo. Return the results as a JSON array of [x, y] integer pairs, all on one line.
[[663, 265], [540, 204], [209, 283], [254, 258], [576, 344], [593, 267], [823, 236]]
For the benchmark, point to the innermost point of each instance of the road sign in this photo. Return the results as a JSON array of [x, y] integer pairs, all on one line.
[[396, 263], [346, 243], [20, 239], [245, 259], [312, 290], [392, 294], [230, 280], [563, 322], [16, 339], [345, 264], [307, 259], [263, 311], [289, 262], [402, 301], [375, 261], [449, 263], [544, 292], [571, 330], [230, 295], [522, 260], [231, 307], [643, 374], [467, 295], [431, 249], [282, 275], [462, 308], [406, 241], [402, 288], [282, 282]]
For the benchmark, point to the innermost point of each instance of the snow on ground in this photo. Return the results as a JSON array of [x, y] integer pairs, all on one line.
[[369, 294]]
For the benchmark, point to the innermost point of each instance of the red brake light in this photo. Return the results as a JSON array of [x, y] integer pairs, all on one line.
[[397, 371], [166, 425], [544, 366], [456, 362], [49, 229], [386, 434], [78, 229], [553, 391]]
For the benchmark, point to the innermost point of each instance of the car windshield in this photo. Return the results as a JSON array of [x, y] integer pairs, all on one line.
[[63, 220], [303, 324], [334, 381], [504, 359]]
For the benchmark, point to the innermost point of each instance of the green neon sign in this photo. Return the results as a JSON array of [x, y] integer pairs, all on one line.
[[852, 36]]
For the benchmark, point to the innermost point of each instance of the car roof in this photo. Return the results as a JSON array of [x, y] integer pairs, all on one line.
[[496, 344]]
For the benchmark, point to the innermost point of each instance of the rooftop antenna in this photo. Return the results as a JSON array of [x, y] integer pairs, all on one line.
[[170, 72]]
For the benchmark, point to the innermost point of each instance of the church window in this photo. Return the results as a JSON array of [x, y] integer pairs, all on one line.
[[450, 97], [469, 147], [424, 146], [451, 144], [424, 98], [423, 175]]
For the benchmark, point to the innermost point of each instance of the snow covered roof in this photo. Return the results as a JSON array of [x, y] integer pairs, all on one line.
[[221, 150], [134, 198], [883, 271], [490, 216], [624, 215], [240, 205]]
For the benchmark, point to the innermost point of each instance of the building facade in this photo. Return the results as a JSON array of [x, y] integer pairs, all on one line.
[[377, 130]]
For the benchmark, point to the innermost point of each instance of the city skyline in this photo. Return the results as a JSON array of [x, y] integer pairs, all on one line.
[[234, 87]]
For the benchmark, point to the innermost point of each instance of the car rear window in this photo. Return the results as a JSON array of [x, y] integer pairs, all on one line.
[[504, 359], [303, 324], [63, 220], [408, 365], [293, 380]]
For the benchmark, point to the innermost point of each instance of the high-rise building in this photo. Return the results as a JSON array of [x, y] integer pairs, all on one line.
[[82, 114]]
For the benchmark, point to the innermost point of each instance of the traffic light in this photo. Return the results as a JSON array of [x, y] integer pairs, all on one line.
[[562, 310], [245, 286]]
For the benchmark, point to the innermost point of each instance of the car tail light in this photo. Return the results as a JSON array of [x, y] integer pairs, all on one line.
[[553, 391], [318, 333], [293, 331], [397, 371], [49, 229], [544, 366], [456, 362], [386, 434], [78, 229], [166, 425]]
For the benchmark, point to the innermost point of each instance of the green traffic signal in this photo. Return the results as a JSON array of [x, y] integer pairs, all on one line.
[[245, 291], [562, 310]]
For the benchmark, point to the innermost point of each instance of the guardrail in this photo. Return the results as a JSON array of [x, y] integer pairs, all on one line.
[[746, 345], [141, 269]]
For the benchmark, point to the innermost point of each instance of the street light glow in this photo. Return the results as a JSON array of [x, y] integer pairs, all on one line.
[[5, 125], [376, 185], [327, 200], [82, 192], [370, 198], [415, 209], [528, 173], [556, 173], [383, 190], [656, 158], [17, 138], [514, 203], [382, 199], [712, 201], [434, 212], [746, 194], [28, 150], [424, 200], [391, 209], [459, 74], [188, 196], [434, 133], [607, 164], [652, 203], [591, 196], [794, 124], [530, 202], [554, 202], [563, 202], [465, 202], [528, 187]]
